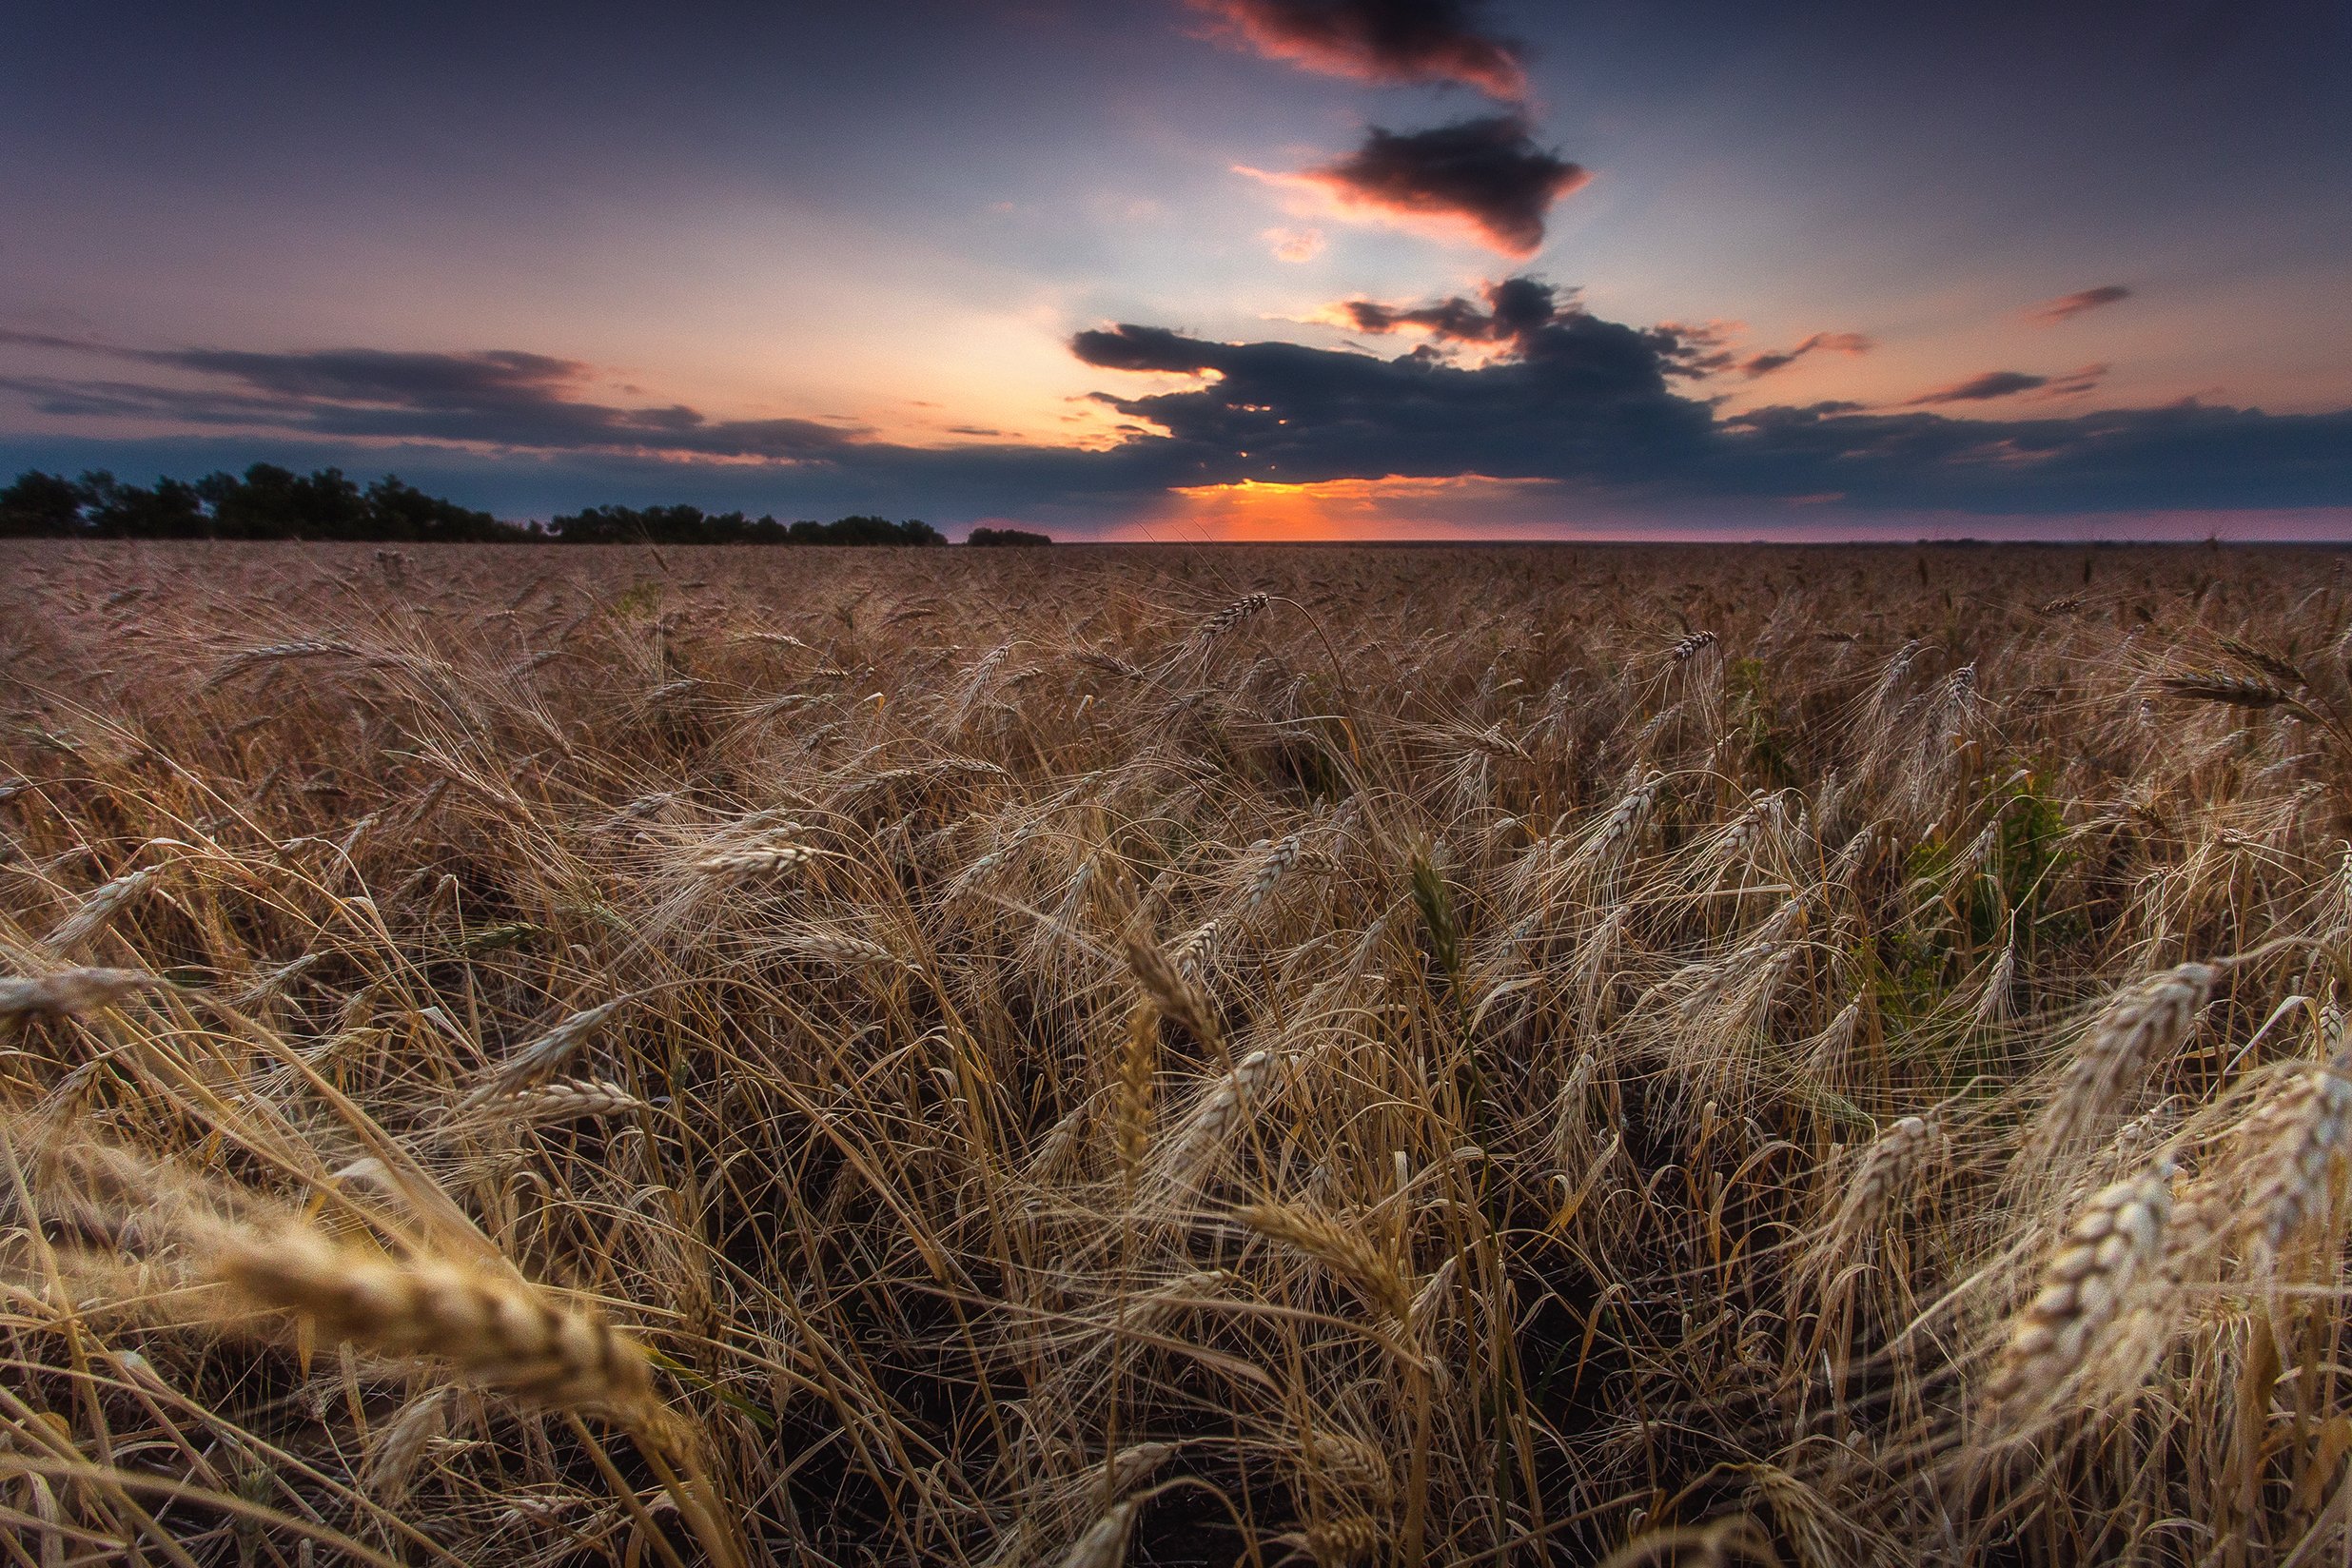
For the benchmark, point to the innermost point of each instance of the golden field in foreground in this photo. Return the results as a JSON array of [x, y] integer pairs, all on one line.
[[1501, 1056]]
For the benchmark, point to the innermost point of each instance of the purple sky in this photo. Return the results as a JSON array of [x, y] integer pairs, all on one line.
[[1189, 268]]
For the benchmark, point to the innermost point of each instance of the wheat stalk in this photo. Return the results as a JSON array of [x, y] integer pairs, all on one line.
[[1280, 858], [275, 653], [2103, 1267], [1231, 616], [747, 862], [1889, 1166], [1202, 1136], [2277, 666], [567, 1102], [2138, 1026], [100, 909], [1172, 989], [74, 990], [1138, 1060], [1104, 1542], [487, 1323], [2290, 1151], [393, 1456], [2230, 691], [1333, 1543], [1692, 646], [539, 1060], [1351, 1464], [1196, 949], [843, 947], [1137, 1463], [1345, 1251]]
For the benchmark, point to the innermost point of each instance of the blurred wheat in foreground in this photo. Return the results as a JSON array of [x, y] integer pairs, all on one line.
[[1180, 1057]]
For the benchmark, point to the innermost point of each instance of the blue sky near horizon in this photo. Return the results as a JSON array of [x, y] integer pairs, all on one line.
[[1183, 270]]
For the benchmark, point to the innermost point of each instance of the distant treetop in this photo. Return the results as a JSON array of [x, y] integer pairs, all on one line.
[[269, 502], [1001, 537], [691, 525]]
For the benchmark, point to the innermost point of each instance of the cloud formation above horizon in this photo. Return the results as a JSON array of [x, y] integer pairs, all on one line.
[[1561, 397], [1376, 41], [1487, 177], [1591, 405]]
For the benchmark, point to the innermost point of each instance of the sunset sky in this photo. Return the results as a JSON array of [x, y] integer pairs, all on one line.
[[1151, 268]]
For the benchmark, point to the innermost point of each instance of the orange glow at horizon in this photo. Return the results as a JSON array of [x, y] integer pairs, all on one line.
[[1391, 507]]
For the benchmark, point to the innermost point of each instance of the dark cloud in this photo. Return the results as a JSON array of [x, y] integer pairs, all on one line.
[[1780, 358], [1486, 172], [493, 398], [1572, 393], [2071, 381], [1524, 316], [1509, 311], [1993, 383], [1377, 40], [2007, 384], [2067, 307], [2184, 456], [493, 379], [1144, 348]]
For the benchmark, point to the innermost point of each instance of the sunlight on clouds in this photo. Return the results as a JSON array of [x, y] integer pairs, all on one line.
[[1313, 195]]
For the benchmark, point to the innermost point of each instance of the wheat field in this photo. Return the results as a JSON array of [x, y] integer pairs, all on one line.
[[1468, 1056]]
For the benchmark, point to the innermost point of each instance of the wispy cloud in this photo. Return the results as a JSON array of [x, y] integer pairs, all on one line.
[[2067, 307], [1765, 364], [495, 398], [1295, 244], [2009, 383]]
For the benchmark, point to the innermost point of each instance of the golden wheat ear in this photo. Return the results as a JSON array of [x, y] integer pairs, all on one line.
[[2107, 1264], [2229, 691], [74, 990], [1104, 1543], [488, 1325], [1342, 1250]]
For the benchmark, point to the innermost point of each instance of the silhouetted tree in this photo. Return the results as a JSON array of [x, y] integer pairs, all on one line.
[[398, 511], [1003, 537], [40, 505], [270, 502], [170, 510], [691, 525], [866, 530]]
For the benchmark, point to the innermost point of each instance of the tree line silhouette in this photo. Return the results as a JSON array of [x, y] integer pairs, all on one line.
[[270, 502]]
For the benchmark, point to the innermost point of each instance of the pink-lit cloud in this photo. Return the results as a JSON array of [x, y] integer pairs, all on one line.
[[1484, 179], [1380, 41]]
